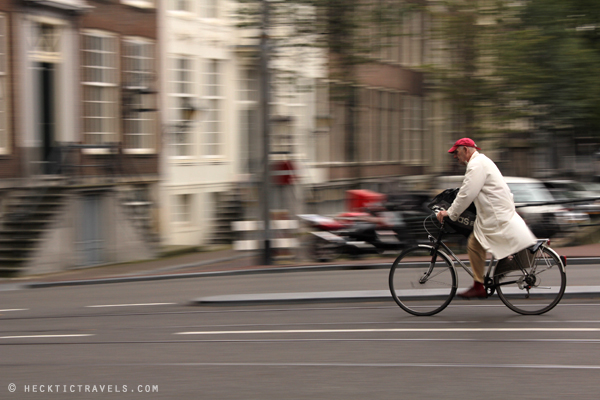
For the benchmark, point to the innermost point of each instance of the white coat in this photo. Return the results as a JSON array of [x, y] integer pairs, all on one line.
[[498, 227]]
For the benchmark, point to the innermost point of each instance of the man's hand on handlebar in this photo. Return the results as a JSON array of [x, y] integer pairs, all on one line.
[[441, 215]]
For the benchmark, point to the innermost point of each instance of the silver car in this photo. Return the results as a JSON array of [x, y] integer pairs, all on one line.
[[545, 220]]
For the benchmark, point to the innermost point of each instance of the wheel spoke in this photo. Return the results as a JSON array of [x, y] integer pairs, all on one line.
[[422, 288], [543, 280]]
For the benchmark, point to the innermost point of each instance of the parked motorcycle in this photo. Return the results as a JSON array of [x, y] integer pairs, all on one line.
[[354, 233]]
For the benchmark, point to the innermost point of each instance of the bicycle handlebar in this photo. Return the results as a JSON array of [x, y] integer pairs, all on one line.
[[436, 210]]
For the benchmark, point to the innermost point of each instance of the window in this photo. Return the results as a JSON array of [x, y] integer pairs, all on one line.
[[182, 83], [99, 88], [182, 5], [249, 85], [213, 122], [386, 114], [395, 127], [364, 120], [413, 129], [412, 43], [249, 120], [376, 121], [391, 130], [338, 137], [138, 66], [182, 208], [323, 120], [380, 116], [210, 8], [416, 40], [140, 3], [4, 142], [48, 40]]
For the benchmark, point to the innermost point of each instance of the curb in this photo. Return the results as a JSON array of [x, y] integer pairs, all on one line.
[[141, 278], [156, 277], [273, 270], [573, 292]]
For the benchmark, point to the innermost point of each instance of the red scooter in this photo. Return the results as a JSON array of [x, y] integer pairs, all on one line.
[[352, 233]]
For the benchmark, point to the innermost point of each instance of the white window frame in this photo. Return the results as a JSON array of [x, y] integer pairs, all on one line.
[[416, 40], [5, 142], [247, 109], [386, 121], [182, 90], [182, 7], [248, 86], [214, 98], [322, 122], [375, 112], [338, 134], [209, 9], [396, 127], [413, 116], [181, 211], [138, 74], [101, 78], [363, 123], [143, 4]]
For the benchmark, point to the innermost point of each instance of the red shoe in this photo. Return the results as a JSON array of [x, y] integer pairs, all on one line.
[[477, 291]]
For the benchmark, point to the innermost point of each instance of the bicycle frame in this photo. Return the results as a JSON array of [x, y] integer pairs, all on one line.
[[437, 243], [488, 281]]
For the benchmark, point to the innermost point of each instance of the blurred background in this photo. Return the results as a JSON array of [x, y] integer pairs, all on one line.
[[132, 128]]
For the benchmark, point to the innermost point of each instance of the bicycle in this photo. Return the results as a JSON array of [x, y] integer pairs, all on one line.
[[425, 288]]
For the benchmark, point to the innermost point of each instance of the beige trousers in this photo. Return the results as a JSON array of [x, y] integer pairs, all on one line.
[[476, 257]]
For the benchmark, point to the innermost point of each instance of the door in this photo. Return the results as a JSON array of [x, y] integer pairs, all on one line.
[[47, 117], [43, 107], [91, 242]]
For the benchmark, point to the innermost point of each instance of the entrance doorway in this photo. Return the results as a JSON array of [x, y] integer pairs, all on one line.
[[47, 117]]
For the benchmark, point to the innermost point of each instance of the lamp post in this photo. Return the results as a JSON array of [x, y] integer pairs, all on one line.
[[265, 99], [188, 113]]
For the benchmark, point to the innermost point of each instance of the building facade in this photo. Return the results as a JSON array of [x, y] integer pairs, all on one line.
[[398, 125], [212, 163], [200, 161], [80, 138]]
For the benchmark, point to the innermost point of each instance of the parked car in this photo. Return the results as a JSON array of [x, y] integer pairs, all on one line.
[[573, 190], [544, 220]]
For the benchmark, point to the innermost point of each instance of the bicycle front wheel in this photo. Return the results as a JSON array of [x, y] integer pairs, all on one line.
[[538, 287], [422, 280]]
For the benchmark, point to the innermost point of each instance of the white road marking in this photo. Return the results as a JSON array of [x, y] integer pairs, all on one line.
[[130, 305], [392, 330], [308, 340], [375, 365], [45, 336], [14, 309]]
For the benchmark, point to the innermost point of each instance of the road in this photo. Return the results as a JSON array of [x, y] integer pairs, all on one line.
[[146, 340]]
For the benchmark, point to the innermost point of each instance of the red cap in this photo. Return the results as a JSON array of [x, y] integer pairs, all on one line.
[[463, 142]]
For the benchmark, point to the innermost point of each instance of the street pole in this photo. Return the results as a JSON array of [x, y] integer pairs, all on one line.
[[266, 126]]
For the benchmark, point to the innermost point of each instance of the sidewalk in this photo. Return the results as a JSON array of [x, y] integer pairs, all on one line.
[[228, 260]]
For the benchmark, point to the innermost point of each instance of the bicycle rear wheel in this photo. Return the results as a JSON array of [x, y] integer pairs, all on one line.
[[422, 280], [538, 287]]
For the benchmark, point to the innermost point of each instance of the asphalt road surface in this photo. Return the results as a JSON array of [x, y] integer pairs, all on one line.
[[146, 340]]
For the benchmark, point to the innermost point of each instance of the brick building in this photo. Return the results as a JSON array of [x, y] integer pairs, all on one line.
[[79, 133]]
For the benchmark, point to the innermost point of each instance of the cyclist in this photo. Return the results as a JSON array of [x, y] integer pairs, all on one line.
[[498, 228]]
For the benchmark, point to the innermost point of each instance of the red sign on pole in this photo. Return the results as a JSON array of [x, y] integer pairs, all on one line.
[[284, 172]]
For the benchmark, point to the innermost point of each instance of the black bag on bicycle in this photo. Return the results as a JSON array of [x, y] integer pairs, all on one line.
[[464, 223]]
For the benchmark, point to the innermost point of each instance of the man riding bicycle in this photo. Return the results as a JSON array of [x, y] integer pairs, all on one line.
[[498, 228]]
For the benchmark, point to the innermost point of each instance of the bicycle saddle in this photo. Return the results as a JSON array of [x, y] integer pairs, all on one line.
[[537, 246]]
